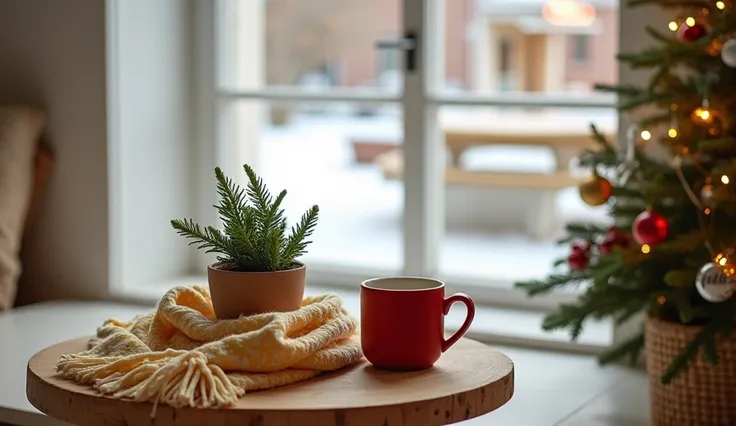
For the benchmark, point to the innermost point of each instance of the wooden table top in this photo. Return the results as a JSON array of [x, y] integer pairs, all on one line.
[[469, 380]]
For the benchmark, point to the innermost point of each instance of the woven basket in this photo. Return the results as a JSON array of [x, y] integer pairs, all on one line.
[[703, 395]]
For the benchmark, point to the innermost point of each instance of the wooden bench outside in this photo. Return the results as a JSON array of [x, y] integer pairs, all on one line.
[[391, 164], [566, 135], [502, 202], [505, 199], [366, 149], [564, 145]]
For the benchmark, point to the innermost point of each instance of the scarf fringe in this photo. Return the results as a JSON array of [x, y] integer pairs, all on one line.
[[185, 380]]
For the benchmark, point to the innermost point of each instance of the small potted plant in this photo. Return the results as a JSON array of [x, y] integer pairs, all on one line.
[[257, 269]]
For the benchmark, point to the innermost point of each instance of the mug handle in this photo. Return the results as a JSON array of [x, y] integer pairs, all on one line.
[[464, 298]]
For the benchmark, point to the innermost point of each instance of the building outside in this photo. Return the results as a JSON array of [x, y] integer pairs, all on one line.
[[490, 45]]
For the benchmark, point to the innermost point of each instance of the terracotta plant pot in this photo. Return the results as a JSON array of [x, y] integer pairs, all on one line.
[[248, 293], [702, 395]]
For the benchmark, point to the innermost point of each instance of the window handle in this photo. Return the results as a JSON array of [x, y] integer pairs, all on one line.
[[407, 43]]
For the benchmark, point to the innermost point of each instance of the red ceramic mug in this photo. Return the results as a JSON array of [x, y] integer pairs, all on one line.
[[403, 321]]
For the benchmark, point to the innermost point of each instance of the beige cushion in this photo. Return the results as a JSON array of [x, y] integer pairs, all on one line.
[[20, 130]]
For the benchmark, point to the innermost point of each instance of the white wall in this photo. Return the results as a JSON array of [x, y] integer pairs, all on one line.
[[150, 59], [52, 55], [115, 80]]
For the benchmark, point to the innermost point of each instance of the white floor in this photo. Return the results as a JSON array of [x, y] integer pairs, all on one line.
[[567, 390], [360, 211]]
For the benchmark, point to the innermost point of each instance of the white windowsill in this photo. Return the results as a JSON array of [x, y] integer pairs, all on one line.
[[493, 325]]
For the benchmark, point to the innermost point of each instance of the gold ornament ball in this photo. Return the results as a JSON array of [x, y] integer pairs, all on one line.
[[596, 190]]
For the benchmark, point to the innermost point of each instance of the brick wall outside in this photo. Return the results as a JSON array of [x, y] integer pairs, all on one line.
[[353, 32], [601, 66]]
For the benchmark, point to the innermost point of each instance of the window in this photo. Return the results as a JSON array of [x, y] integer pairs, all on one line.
[[580, 48], [388, 60], [402, 187], [389, 74], [504, 58], [327, 74], [504, 64]]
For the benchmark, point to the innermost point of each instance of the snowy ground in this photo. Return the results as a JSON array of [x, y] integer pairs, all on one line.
[[360, 211]]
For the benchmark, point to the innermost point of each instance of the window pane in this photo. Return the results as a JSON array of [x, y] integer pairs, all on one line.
[[580, 48], [511, 181], [544, 46], [314, 44], [510, 187], [340, 157]]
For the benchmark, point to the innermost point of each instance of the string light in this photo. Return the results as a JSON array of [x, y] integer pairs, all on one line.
[[707, 211], [645, 248], [673, 26], [703, 114], [572, 13], [725, 179], [723, 260], [661, 300], [646, 135], [720, 5], [672, 133], [690, 21]]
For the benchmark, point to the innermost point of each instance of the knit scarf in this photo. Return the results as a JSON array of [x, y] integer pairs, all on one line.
[[181, 355]]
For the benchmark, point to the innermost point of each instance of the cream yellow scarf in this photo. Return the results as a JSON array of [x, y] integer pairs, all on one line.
[[179, 354]]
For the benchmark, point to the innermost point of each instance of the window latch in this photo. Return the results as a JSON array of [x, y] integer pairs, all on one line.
[[407, 43]]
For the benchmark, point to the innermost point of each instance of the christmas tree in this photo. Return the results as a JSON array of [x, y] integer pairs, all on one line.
[[670, 252]]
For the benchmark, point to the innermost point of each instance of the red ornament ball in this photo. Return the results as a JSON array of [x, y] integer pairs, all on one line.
[[650, 228], [578, 260], [691, 33], [613, 239], [581, 246]]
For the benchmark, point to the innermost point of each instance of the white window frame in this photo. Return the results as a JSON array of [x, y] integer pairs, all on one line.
[[424, 186]]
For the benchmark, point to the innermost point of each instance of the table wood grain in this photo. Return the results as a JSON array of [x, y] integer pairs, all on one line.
[[469, 380]]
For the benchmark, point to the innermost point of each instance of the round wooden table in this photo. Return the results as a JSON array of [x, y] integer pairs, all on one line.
[[469, 380]]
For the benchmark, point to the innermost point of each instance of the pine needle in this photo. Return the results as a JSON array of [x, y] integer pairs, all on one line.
[[553, 282], [254, 235], [631, 347]]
